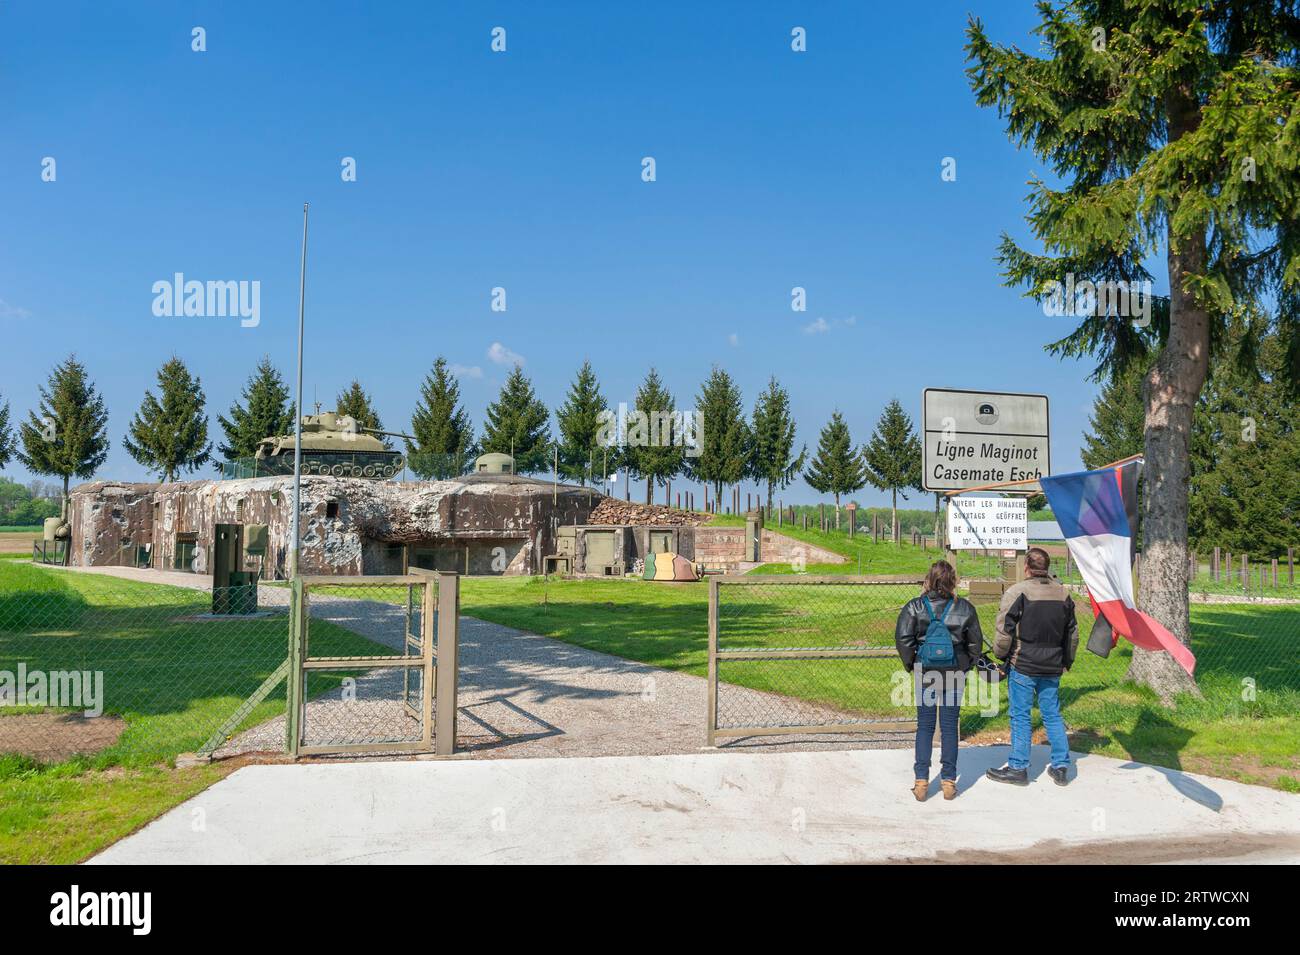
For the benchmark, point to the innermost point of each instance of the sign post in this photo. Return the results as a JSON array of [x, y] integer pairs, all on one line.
[[976, 438], [988, 523]]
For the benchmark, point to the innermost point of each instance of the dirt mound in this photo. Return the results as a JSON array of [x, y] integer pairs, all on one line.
[[54, 737]]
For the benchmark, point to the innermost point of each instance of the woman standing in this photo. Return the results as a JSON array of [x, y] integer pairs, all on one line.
[[938, 638]]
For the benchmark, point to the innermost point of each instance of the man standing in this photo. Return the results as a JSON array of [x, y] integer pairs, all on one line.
[[1037, 636]]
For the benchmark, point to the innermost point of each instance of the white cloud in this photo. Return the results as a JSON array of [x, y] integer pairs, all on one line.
[[820, 326], [733, 339], [467, 371], [502, 355], [13, 311]]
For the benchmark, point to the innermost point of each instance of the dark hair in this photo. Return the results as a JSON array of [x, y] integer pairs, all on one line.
[[942, 579], [1037, 561]]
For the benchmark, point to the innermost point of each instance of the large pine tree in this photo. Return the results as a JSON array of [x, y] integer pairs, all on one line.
[[1118, 420], [723, 434], [1173, 133], [1246, 459], [518, 423], [654, 453], [893, 458], [355, 402], [170, 434], [6, 436], [580, 424], [444, 434], [266, 412], [837, 467], [772, 461], [67, 435]]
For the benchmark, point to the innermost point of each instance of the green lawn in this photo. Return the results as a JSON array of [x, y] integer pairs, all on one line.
[[172, 676], [867, 557], [63, 814]]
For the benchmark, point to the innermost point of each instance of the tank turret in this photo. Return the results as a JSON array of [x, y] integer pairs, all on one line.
[[331, 444]]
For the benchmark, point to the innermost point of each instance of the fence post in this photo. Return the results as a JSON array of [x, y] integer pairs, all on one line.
[[1290, 565], [444, 720], [294, 687], [428, 601], [1245, 572], [1214, 566], [1275, 573], [711, 718]]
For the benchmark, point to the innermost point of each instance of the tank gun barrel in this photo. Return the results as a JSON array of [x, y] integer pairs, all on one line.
[[391, 434]]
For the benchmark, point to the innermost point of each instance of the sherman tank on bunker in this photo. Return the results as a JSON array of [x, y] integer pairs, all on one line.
[[331, 444]]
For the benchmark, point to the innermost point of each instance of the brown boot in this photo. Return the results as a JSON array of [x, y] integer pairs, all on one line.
[[920, 789], [949, 789]]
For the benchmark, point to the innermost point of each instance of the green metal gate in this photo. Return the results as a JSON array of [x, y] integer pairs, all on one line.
[[403, 701]]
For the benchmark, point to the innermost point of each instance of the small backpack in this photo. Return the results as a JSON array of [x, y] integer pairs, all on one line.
[[937, 651]]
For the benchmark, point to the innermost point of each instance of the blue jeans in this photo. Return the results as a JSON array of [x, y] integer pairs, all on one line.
[[1020, 700], [945, 709]]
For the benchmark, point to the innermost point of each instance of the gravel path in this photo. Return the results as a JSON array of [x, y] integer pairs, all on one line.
[[522, 694]]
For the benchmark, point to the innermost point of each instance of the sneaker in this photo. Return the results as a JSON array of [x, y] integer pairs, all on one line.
[[1060, 774], [1017, 777]]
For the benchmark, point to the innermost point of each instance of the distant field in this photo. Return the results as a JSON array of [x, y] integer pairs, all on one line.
[[18, 540]]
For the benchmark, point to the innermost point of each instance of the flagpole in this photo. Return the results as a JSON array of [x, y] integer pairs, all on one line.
[[294, 545], [1010, 484]]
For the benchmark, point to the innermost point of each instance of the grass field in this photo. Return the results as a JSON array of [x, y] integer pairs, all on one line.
[[175, 676], [18, 540], [867, 557], [172, 678]]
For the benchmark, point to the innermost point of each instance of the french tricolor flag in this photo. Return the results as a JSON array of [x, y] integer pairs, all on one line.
[[1093, 509]]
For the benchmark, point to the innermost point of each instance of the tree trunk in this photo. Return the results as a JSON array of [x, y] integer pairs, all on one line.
[[771, 489], [893, 511], [1170, 391], [649, 489], [837, 512]]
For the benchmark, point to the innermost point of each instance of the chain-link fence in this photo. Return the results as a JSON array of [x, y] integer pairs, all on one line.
[[384, 700], [817, 655], [809, 654], [121, 670]]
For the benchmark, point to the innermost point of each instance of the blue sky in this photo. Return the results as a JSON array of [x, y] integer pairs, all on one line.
[[521, 170]]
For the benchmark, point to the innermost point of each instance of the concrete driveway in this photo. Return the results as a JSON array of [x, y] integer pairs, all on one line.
[[809, 807]]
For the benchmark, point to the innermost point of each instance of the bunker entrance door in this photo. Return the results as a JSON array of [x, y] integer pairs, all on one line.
[[600, 550]]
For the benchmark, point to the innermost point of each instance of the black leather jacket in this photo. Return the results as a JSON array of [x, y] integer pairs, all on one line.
[[963, 623]]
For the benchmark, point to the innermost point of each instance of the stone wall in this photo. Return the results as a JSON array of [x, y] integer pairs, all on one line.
[[724, 547]]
